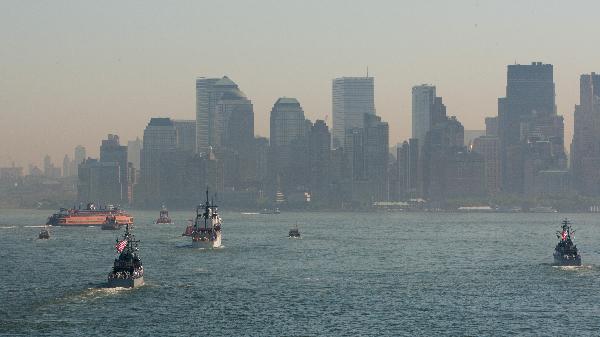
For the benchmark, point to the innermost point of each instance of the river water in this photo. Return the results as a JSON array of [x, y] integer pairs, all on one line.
[[351, 274]]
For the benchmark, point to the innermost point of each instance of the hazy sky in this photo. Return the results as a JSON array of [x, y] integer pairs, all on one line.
[[73, 71]]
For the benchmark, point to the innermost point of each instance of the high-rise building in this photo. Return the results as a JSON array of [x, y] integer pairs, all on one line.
[[79, 154], [98, 182], [366, 151], [288, 123], [111, 151], [225, 123], [471, 135], [352, 97], [491, 126], [407, 156], [221, 109], [442, 143], [186, 135], [134, 148], [527, 115], [489, 148], [50, 170], [423, 99], [319, 156], [160, 137], [66, 166], [288, 144], [585, 148]]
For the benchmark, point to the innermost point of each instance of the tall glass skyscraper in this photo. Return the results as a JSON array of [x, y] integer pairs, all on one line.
[[423, 98], [218, 100], [527, 120], [352, 97]]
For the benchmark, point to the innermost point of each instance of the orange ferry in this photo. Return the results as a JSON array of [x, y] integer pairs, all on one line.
[[90, 216]]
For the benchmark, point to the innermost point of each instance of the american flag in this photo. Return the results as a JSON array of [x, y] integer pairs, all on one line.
[[564, 235], [121, 245]]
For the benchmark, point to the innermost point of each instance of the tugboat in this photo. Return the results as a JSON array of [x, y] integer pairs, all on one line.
[[111, 223], [128, 271], [164, 218], [294, 232], [565, 253], [206, 230], [44, 234]]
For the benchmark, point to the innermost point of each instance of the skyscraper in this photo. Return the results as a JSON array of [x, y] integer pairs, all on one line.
[[66, 166], [366, 152], [319, 155], [489, 148], [526, 120], [407, 156], [134, 147], [423, 99], [220, 106], [111, 151], [160, 137], [288, 144], [79, 154], [585, 148], [186, 135], [352, 97]]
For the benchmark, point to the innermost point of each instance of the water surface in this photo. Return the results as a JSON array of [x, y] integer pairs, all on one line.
[[370, 274]]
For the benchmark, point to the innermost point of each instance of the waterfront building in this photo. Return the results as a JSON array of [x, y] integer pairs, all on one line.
[[423, 100], [407, 156], [352, 97], [366, 152], [319, 156], [134, 149], [489, 148], [160, 137], [288, 146], [186, 135], [527, 115], [111, 151], [99, 182], [585, 147]]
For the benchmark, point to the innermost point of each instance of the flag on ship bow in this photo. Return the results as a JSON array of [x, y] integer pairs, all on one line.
[[121, 245]]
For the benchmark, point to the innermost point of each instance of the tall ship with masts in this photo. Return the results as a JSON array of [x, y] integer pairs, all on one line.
[[127, 271], [206, 231], [565, 252]]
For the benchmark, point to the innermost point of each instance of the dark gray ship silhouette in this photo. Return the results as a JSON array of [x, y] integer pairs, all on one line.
[[127, 271], [565, 252]]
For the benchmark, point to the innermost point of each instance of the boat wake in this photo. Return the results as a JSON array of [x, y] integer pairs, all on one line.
[[35, 226], [7, 227], [575, 268], [250, 213], [90, 294]]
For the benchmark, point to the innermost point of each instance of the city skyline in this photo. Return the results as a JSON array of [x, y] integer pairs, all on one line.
[[52, 88]]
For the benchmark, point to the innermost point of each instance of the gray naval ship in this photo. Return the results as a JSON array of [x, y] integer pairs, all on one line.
[[127, 271], [565, 252]]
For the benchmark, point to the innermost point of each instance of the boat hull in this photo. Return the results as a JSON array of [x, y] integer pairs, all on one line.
[[216, 243], [126, 283], [561, 260]]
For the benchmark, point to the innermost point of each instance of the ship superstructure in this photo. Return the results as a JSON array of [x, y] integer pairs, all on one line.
[[565, 252], [90, 216], [206, 229], [163, 217], [127, 271]]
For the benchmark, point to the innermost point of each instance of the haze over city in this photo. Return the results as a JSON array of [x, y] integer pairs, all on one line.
[[72, 72]]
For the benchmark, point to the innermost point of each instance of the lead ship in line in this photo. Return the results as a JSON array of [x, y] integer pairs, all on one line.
[[206, 230], [127, 271], [565, 253]]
